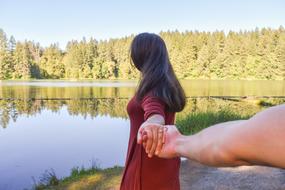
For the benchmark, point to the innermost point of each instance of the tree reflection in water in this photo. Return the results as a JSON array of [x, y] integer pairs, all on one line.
[[11, 109]]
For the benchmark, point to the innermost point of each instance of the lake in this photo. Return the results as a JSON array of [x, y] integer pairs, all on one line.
[[59, 125]]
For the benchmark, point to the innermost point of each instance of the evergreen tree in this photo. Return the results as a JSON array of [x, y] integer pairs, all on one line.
[[23, 62], [51, 65], [4, 57]]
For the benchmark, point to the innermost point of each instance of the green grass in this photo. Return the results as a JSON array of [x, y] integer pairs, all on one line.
[[196, 121], [271, 102], [83, 179]]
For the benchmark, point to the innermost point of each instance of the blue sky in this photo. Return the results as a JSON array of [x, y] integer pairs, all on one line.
[[50, 21]]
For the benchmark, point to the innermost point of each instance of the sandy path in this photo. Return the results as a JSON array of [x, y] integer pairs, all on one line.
[[194, 176]]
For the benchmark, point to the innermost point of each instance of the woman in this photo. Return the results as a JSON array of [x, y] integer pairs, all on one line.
[[158, 97]]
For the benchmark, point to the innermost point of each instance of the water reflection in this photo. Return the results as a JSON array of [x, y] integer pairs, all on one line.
[[116, 107], [47, 139], [126, 89], [113, 107]]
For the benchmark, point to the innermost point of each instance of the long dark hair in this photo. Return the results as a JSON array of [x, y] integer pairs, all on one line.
[[150, 57]]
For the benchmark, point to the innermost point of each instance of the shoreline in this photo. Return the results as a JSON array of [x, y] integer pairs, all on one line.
[[193, 175]]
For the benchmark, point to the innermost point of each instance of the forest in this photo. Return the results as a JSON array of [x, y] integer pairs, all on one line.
[[245, 55]]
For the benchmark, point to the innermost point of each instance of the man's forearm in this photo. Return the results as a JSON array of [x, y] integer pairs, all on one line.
[[208, 146], [258, 140]]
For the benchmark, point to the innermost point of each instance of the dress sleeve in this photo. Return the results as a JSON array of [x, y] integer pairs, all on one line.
[[152, 105]]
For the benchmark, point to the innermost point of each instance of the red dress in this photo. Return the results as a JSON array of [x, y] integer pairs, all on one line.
[[141, 172]]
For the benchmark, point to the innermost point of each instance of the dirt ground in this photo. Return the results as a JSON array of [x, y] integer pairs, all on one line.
[[194, 176]]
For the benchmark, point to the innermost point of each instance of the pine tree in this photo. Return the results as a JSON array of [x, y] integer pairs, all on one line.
[[23, 62], [51, 65], [4, 57]]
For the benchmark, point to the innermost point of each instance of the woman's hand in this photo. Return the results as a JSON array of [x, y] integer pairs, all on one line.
[[150, 135]]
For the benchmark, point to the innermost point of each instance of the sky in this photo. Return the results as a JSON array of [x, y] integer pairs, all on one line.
[[59, 21]]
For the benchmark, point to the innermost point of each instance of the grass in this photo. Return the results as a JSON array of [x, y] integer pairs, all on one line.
[[83, 179], [196, 121], [271, 102]]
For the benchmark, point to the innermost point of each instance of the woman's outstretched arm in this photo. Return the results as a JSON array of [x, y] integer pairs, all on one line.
[[259, 140]]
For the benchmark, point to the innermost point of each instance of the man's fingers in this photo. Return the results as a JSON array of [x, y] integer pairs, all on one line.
[[154, 141], [159, 141]]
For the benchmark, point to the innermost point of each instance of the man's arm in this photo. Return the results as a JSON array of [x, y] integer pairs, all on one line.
[[259, 140]]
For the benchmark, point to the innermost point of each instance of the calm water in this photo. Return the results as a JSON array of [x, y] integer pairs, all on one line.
[[106, 89], [61, 125]]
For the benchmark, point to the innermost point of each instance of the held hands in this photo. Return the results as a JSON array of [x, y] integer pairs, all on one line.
[[152, 137], [159, 140]]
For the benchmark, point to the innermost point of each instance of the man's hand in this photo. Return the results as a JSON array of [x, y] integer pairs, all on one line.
[[159, 140], [168, 150]]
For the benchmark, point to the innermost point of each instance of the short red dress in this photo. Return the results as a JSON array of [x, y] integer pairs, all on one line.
[[142, 172]]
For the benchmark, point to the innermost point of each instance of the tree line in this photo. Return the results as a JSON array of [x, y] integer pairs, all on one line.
[[257, 54]]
